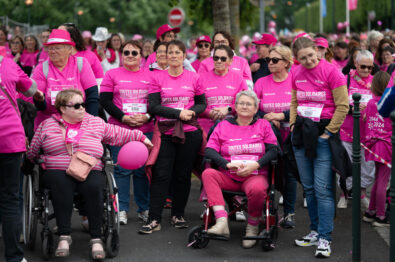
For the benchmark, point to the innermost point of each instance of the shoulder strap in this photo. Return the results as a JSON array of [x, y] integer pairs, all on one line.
[[45, 68], [68, 146], [80, 63], [38, 56], [348, 81]]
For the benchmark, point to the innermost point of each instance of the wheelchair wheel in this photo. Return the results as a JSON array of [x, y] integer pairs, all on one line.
[[112, 244], [29, 218], [113, 190], [196, 238], [47, 247]]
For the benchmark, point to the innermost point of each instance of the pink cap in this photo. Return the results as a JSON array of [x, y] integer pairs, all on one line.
[[86, 34], [320, 41], [164, 29], [202, 38], [59, 36], [303, 34], [267, 39], [137, 37], [3, 52]]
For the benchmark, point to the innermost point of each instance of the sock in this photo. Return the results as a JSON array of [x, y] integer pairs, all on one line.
[[220, 213], [253, 222]]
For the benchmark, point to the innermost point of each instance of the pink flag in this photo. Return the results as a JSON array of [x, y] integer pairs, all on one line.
[[352, 4]]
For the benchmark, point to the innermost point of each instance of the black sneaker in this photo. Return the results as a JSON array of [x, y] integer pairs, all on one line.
[[149, 227], [367, 217], [179, 222], [288, 221], [381, 222]]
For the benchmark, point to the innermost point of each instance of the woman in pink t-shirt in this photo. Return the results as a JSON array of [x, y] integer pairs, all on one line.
[[124, 95], [220, 87], [241, 147], [161, 58], [175, 100], [203, 44], [378, 131], [319, 106], [28, 57]]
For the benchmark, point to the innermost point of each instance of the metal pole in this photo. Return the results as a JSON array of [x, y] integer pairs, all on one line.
[[356, 182], [321, 17], [347, 17], [392, 193], [368, 22], [262, 16], [333, 16], [392, 13]]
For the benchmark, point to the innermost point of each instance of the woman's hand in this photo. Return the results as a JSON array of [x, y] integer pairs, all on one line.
[[139, 119], [247, 169], [274, 116], [219, 113], [324, 136], [255, 67], [17, 57], [186, 114], [128, 120], [276, 123], [38, 96], [362, 106], [148, 143], [101, 53], [233, 166]]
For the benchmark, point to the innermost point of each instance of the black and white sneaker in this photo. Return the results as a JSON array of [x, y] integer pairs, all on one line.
[[179, 222], [385, 222], [309, 240], [367, 217], [323, 249]]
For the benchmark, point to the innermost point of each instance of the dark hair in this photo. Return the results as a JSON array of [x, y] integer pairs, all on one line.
[[75, 34], [177, 43], [20, 38], [380, 50], [47, 30], [134, 43], [351, 62], [341, 44], [226, 48], [301, 43], [109, 45], [37, 46], [379, 83], [159, 44], [228, 37], [5, 31]]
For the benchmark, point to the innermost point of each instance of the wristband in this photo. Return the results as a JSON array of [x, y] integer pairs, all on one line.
[[229, 109], [148, 116]]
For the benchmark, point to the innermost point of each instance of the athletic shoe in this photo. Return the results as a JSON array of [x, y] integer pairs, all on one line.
[[23, 260], [149, 227], [281, 200], [168, 203], [309, 240], [143, 215], [342, 202], [304, 202], [179, 222], [367, 217], [385, 222], [323, 249], [288, 221], [123, 218], [364, 202], [240, 217]]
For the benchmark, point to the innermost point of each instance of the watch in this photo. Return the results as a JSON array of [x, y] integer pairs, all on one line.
[[148, 116], [230, 109]]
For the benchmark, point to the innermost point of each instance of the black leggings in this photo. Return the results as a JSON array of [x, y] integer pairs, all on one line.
[[175, 160], [62, 188]]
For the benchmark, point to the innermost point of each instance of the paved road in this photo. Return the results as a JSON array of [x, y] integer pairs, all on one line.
[[169, 244]]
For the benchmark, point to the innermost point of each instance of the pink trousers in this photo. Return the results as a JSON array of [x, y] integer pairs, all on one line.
[[379, 189], [254, 187]]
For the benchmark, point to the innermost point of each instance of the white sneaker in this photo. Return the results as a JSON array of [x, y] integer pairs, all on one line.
[[143, 216], [281, 200], [240, 217], [342, 202], [304, 202], [123, 218], [310, 240], [323, 249], [365, 202], [23, 260]]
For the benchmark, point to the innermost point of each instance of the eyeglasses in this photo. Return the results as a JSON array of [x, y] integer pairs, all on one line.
[[363, 67], [133, 53], [15, 43], [223, 58], [222, 42], [274, 60], [54, 48], [77, 106], [244, 104], [203, 45]]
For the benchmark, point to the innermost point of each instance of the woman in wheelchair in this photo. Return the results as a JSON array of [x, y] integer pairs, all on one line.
[[241, 147], [70, 131]]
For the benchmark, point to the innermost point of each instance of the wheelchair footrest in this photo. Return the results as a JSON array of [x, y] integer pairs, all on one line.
[[260, 237], [215, 237]]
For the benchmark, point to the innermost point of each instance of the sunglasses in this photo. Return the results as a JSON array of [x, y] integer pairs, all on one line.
[[274, 60], [70, 25], [203, 45], [133, 53], [223, 58], [363, 67], [77, 106]]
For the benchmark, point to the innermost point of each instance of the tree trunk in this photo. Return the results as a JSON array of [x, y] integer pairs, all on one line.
[[234, 11], [221, 15]]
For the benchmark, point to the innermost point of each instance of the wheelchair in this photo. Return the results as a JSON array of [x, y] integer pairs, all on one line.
[[198, 237], [36, 209]]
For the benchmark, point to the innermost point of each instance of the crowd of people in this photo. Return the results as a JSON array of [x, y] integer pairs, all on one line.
[[286, 98]]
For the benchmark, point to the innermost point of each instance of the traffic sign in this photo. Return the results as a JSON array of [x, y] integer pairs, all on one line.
[[176, 16]]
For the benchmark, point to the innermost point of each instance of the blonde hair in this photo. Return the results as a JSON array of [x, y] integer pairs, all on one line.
[[301, 43], [64, 96], [285, 53]]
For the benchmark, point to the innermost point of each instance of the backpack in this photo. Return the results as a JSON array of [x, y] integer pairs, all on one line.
[[80, 63]]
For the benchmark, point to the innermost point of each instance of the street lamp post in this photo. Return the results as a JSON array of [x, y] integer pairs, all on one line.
[[29, 3]]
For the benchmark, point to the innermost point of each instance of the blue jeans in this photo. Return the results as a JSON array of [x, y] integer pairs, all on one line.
[[140, 183], [317, 179], [289, 194]]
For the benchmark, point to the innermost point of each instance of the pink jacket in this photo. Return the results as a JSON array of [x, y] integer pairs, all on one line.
[[49, 137]]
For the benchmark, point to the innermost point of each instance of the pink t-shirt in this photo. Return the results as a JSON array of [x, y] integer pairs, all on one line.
[[196, 64], [239, 64], [340, 63], [242, 143], [253, 58], [220, 91], [378, 131], [43, 56], [176, 92], [391, 82], [150, 59], [28, 59], [364, 90], [73, 132], [12, 134], [93, 61], [314, 89], [130, 91], [69, 77]]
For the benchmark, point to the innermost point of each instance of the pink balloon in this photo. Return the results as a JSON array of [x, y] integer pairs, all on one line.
[[133, 155], [339, 26], [345, 24], [379, 22], [272, 24]]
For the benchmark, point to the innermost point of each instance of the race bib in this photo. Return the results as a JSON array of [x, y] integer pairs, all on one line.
[[311, 111], [56, 89], [244, 159], [366, 95], [130, 107]]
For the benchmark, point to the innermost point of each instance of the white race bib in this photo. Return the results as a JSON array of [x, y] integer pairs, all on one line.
[[130, 108], [244, 159], [56, 89], [312, 111]]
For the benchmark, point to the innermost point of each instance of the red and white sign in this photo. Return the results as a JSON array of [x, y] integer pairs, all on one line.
[[176, 16]]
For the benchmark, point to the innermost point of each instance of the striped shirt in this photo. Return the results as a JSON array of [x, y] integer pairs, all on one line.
[[49, 137]]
